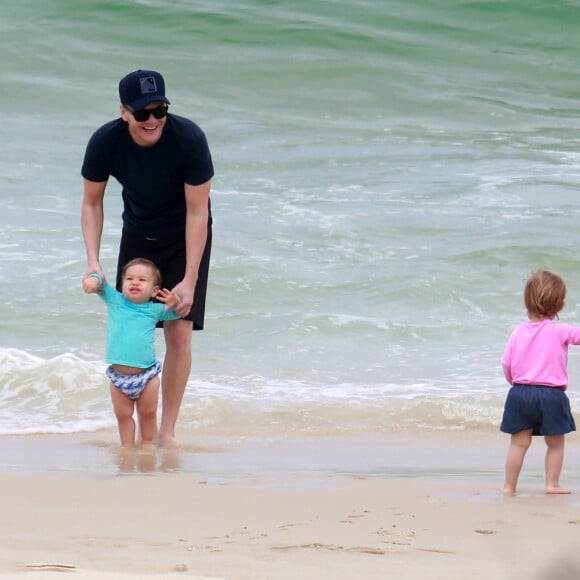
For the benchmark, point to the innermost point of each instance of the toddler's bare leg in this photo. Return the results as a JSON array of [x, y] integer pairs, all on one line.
[[554, 462], [519, 445], [123, 407], [147, 411]]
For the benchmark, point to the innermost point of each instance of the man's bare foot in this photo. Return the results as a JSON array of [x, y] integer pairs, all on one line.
[[167, 441], [557, 490], [509, 490]]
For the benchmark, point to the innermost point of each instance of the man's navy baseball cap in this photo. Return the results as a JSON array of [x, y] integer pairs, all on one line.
[[142, 87]]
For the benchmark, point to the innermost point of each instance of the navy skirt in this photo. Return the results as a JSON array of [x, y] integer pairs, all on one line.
[[544, 410]]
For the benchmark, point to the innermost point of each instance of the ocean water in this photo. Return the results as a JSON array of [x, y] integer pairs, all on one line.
[[388, 173]]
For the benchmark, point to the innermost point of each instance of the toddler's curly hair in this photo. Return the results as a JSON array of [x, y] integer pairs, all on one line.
[[544, 294]]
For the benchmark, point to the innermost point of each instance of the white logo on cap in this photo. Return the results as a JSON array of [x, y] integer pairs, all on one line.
[[148, 85]]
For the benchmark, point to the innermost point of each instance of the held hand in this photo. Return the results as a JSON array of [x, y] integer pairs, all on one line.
[[184, 291], [93, 283], [168, 298], [98, 278]]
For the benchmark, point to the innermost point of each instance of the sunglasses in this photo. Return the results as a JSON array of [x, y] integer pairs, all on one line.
[[143, 114]]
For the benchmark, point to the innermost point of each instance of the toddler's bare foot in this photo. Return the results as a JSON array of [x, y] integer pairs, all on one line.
[[556, 489]]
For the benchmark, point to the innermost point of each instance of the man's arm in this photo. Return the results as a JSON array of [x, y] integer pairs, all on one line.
[[92, 223], [196, 200]]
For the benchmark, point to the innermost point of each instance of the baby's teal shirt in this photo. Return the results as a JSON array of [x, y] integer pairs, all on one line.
[[131, 329]]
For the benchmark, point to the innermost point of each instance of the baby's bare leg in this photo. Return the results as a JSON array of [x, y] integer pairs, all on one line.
[[519, 445], [123, 407], [147, 411], [554, 462]]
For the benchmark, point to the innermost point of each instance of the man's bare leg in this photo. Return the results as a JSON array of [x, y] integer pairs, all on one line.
[[176, 369]]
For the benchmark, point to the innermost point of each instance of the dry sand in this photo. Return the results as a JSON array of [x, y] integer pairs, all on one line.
[[71, 509]]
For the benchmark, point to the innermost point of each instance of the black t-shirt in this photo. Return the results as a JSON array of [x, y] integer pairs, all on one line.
[[152, 178]]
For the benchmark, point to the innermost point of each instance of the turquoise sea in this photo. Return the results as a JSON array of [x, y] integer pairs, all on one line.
[[388, 173]]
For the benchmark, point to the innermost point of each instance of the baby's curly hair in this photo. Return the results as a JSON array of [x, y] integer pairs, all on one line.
[[544, 294]]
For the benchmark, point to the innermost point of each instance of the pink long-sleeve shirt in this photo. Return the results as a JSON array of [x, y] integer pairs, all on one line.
[[537, 353]]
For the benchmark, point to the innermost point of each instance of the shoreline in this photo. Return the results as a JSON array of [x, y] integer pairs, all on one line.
[[434, 455]]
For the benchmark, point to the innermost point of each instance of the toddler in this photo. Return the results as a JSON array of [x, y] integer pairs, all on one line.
[[535, 364]]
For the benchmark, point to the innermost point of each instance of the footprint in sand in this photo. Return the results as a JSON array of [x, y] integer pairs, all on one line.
[[286, 526], [404, 514], [435, 551], [332, 548], [350, 519], [204, 548], [51, 567], [485, 532], [396, 537], [353, 516]]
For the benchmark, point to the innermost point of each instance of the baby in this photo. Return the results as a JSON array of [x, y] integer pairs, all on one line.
[[133, 367]]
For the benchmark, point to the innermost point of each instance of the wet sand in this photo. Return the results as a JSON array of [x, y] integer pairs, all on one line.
[[287, 508]]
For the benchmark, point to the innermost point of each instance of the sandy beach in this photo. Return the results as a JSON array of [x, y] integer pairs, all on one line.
[[300, 509]]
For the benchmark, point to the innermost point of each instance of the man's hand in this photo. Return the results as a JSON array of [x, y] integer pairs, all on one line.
[[184, 291]]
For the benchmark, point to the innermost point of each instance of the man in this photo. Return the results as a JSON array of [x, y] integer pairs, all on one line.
[[164, 166]]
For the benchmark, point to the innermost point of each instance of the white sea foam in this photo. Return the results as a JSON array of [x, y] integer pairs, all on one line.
[[63, 394]]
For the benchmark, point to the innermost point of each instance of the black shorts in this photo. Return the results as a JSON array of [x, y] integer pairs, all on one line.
[[169, 256]]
